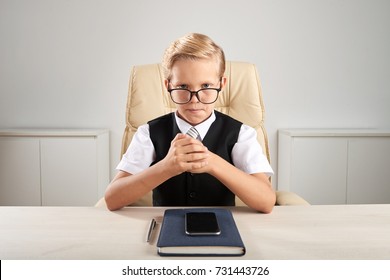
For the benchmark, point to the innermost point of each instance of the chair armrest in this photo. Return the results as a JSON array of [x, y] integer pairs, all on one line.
[[289, 198], [101, 203]]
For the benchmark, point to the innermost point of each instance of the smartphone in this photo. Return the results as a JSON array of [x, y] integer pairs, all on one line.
[[201, 223]]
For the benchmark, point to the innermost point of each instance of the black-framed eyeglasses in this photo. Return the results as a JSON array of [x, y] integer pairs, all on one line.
[[204, 95]]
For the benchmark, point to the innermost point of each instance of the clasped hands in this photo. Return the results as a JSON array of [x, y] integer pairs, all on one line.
[[187, 154]]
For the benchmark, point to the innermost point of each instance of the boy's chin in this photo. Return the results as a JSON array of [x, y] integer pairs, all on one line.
[[196, 120]]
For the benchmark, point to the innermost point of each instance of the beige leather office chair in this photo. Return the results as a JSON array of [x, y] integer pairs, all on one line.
[[241, 99]]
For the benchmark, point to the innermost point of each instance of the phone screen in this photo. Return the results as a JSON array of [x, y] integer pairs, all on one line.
[[201, 223]]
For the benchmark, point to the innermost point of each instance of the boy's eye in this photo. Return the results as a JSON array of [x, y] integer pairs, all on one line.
[[206, 85], [182, 86]]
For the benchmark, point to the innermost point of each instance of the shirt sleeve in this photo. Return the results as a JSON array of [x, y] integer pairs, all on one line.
[[247, 153], [140, 154]]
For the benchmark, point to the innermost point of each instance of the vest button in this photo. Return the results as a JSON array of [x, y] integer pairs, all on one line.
[[192, 194]]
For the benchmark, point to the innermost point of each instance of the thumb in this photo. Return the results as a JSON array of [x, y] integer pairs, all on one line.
[[178, 137]]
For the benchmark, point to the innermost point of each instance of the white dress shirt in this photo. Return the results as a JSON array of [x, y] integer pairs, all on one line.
[[247, 153]]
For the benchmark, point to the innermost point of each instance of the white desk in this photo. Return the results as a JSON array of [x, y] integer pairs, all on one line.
[[289, 232]]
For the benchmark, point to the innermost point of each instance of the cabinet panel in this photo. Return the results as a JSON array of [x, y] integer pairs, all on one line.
[[69, 171], [319, 169], [19, 172], [335, 166], [369, 170]]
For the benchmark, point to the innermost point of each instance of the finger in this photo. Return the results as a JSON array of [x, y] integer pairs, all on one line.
[[195, 157], [181, 159], [188, 145], [178, 137], [198, 167], [192, 148], [183, 139]]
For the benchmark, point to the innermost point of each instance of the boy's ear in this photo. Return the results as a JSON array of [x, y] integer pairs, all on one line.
[[223, 82], [166, 83]]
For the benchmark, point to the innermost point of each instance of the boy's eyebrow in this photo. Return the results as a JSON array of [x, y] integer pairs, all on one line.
[[188, 84], [177, 83]]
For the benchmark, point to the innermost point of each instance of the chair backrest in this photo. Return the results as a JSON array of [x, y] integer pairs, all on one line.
[[148, 98]]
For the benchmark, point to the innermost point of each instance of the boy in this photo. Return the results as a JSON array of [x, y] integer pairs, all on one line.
[[195, 156]]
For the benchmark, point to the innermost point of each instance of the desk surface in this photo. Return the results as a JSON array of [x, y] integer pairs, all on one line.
[[289, 232]]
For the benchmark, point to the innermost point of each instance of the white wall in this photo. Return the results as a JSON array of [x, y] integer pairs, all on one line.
[[322, 63]]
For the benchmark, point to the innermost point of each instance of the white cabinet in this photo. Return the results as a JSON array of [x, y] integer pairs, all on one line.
[[53, 167], [335, 166], [20, 182]]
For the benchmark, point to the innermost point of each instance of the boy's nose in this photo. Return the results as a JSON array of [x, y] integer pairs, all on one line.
[[194, 99]]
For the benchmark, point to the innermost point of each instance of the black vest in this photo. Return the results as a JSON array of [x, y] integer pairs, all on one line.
[[189, 189]]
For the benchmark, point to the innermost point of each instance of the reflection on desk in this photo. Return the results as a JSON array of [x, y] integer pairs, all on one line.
[[289, 232]]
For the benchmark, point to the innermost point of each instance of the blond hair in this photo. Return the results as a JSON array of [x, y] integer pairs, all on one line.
[[193, 46]]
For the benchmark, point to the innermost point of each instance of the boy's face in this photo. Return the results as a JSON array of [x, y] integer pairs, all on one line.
[[194, 75]]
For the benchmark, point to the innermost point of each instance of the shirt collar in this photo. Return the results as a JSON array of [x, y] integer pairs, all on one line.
[[202, 128]]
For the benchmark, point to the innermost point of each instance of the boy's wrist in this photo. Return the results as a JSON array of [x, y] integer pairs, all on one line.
[[165, 169], [214, 164]]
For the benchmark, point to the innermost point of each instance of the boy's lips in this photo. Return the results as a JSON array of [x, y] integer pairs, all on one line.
[[194, 110]]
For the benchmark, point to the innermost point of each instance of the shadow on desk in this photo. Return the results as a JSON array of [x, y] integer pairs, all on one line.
[[283, 198]]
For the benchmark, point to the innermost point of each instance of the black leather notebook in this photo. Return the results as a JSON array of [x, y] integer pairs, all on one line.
[[174, 241]]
